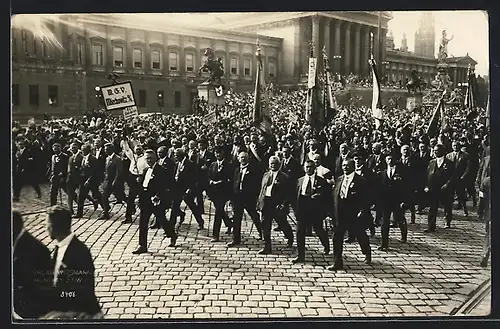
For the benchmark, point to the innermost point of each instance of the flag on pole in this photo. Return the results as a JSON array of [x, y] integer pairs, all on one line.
[[470, 97], [261, 116], [488, 113], [329, 98], [314, 111], [436, 121], [376, 99]]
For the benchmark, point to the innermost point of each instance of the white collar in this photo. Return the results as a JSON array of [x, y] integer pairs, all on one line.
[[350, 176]]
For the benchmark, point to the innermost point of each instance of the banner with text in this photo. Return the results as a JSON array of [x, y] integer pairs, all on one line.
[[118, 96], [130, 113]]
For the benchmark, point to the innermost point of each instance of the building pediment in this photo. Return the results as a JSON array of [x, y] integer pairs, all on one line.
[[462, 60]]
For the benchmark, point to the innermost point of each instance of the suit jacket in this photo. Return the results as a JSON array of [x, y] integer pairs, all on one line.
[[440, 177], [100, 164], [32, 277], [75, 168], [483, 171], [186, 180], [156, 187], [250, 186], [348, 209], [317, 207], [259, 158], [484, 207], [293, 169], [89, 170], [24, 162], [391, 191], [463, 166], [377, 165], [372, 181], [337, 172], [76, 277], [221, 191], [409, 174], [59, 166], [113, 171], [280, 193]]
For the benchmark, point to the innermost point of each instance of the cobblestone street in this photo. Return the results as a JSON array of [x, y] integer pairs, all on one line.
[[430, 275]]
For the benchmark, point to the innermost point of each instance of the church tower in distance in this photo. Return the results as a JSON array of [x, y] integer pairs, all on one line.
[[425, 36]]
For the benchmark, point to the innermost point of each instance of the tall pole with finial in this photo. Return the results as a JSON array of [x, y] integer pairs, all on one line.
[[378, 56]]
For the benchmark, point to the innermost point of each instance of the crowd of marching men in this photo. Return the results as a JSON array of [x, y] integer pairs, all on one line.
[[356, 177]]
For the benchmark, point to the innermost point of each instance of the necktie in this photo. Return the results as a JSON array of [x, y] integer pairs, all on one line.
[[270, 180], [309, 186], [343, 193], [390, 173], [54, 255]]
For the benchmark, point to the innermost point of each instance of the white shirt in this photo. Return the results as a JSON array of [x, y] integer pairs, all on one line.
[[390, 171], [180, 167], [346, 183], [62, 247], [270, 187], [306, 180], [86, 159], [202, 153], [219, 165], [97, 152], [147, 177], [439, 161]]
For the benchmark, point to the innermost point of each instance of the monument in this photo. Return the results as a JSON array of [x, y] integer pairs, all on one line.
[[212, 90], [414, 88], [442, 82]]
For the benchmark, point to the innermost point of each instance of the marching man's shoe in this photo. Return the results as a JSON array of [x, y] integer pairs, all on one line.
[[298, 260], [140, 250]]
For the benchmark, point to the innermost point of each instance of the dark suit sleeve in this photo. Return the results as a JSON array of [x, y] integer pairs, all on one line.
[[467, 170]]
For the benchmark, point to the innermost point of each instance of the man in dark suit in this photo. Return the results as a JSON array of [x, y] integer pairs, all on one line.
[[408, 165], [375, 160], [100, 155], [31, 272], [370, 177], [24, 169], [349, 199], [439, 187], [206, 158], [484, 213], [194, 156], [462, 163], [153, 200], [88, 181], [74, 174], [274, 196], [58, 172], [391, 187], [113, 180], [343, 154], [256, 153], [312, 199], [420, 174], [245, 191], [73, 281], [219, 190], [183, 183]]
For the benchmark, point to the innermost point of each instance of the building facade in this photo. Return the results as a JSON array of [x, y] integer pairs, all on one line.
[[60, 81]]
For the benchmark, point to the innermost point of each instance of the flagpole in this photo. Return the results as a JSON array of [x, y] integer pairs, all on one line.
[[379, 39]]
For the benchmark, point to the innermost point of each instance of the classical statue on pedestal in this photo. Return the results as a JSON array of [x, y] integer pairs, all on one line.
[[443, 47], [214, 66], [415, 83]]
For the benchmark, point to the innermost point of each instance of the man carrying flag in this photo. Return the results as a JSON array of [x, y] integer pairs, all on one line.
[[329, 97], [261, 116], [437, 120], [314, 108], [470, 97]]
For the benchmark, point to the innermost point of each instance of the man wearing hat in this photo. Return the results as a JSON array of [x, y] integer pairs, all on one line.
[[58, 172], [461, 160], [370, 177], [74, 174], [113, 179], [24, 169]]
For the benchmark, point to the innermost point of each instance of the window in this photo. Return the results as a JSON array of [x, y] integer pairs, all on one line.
[[172, 58], [24, 41], [234, 65], [189, 63], [53, 101], [15, 95], [79, 52], [272, 69], [247, 67], [137, 54], [177, 99], [155, 60], [118, 56], [34, 97], [97, 58], [142, 98]]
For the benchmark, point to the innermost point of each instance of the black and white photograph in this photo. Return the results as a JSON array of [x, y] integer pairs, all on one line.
[[245, 165]]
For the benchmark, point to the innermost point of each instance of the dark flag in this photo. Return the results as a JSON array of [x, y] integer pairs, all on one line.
[[437, 120], [261, 116], [470, 97], [314, 109]]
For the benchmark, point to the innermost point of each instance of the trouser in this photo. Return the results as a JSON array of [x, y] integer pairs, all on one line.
[[399, 219], [198, 198], [146, 211], [434, 199], [220, 215], [270, 213], [83, 193], [56, 184], [471, 191], [133, 191], [338, 239], [176, 208], [71, 187], [461, 192], [308, 219], [19, 181], [118, 192], [240, 204]]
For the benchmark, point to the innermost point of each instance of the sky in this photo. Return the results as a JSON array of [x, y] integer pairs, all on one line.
[[470, 30]]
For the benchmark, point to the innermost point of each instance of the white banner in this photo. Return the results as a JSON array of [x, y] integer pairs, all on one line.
[[312, 73], [119, 96], [130, 112]]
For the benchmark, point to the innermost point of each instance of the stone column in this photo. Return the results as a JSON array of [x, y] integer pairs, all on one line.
[[337, 49], [316, 41], [382, 52], [166, 56], [128, 61], [347, 49], [147, 53], [182, 57], [455, 77], [108, 52], [357, 48], [326, 37], [366, 51]]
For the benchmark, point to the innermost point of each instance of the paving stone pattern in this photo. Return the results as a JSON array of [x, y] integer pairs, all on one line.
[[429, 276]]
